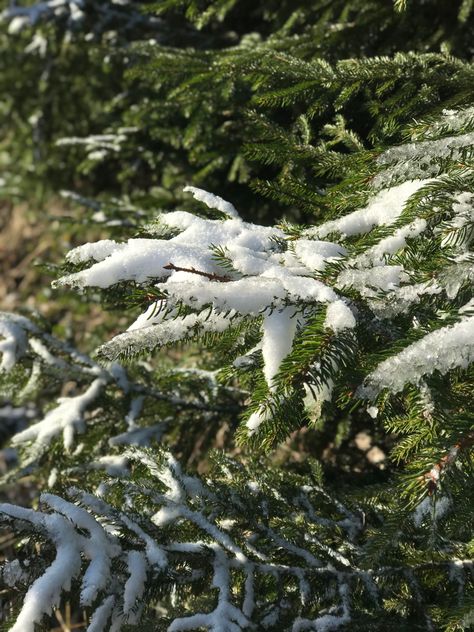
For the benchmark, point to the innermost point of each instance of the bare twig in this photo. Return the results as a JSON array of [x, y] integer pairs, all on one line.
[[209, 275]]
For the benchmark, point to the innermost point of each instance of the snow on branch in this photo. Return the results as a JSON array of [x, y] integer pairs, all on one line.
[[240, 541], [25, 344], [211, 274], [442, 350]]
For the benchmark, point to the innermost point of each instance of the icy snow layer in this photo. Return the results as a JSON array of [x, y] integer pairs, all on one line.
[[450, 121], [442, 350], [384, 209], [458, 232], [421, 159]]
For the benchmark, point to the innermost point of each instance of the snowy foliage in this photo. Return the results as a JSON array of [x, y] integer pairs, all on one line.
[[210, 274], [119, 559], [361, 320]]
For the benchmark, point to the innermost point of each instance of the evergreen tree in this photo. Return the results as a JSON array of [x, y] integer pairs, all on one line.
[[168, 498]]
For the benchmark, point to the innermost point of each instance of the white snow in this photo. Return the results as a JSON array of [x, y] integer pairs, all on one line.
[[420, 159], [99, 548], [66, 418], [98, 251], [114, 464], [187, 272], [382, 210], [167, 332], [101, 615], [441, 350], [339, 317], [257, 418], [376, 255], [13, 330], [431, 507], [213, 201], [314, 254], [45, 592], [368, 281], [135, 585], [12, 573], [155, 554], [279, 330]]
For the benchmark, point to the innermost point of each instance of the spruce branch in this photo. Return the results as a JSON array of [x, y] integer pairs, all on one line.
[[433, 476]]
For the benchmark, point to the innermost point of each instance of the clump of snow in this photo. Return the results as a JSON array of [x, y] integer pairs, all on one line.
[[382, 210], [315, 254], [279, 329], [97, 251], [368, 281], [114, 464], [377, 254], [137, 568], [101, 615], [431, 506], [13, 330], [67, 417], [441, 350], [13, 573], [213, 201], [257, 418], [373, 411], [339, 317]]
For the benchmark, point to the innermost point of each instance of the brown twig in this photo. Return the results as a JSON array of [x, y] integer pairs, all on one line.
[[448, 459], [209, 275]]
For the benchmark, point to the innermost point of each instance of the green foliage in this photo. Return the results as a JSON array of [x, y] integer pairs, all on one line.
[[315, 376]]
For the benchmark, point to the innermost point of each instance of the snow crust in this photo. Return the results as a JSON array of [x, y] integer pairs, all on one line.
[[441, 350], [383, 209], [420, 159], [213, 201], [339, 316]]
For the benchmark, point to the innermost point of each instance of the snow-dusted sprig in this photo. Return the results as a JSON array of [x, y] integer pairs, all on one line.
[[139, 542], [213, 274], [24, 344], [100, 146], [265, 278]]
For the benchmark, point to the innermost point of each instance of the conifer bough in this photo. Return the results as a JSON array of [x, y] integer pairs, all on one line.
[[353, 314], [363, 319]]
